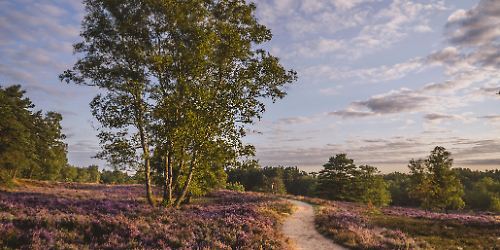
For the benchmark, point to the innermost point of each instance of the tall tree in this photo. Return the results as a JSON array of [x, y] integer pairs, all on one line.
[[435, 185], [31, 143], [336, 177], [51, 151], [178, 77], [115, 43], [16, 145], [95, 175], [370, 186]]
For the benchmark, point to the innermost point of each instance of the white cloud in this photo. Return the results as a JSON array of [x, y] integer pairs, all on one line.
[[457, 16], [388, 154], [373, 27], [369, 75], [35, 39]]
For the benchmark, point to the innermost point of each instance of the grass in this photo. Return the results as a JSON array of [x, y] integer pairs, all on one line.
[[359, 226], [443, 234]]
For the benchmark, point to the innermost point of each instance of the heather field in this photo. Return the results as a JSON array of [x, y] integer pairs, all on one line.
[[41, 215], [360, 226]]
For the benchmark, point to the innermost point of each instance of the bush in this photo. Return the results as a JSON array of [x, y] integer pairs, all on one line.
[[235, 186], [5, 179]]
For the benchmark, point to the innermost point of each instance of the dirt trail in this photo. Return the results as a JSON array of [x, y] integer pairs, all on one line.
[[299, 227]]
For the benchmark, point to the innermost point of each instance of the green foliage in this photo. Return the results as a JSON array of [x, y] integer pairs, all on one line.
[[398, 185], [335, 180], [116, 177], [298, 182], [69, 174], [180, 78], [484, 195], [278, 180], [248, 173], [441, 234], [480, 188], [31, 143], [434, 184], [370, 187], [341, 179], [235, 186], [16, 145], [94, 174]]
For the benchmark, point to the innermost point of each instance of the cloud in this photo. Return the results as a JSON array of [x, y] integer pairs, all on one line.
[[396, 101], [474, 39], [388, 154], [331, 91], [495, 162], [350, 113], [437, 118], [475, 27], [318, 47], [492, 118], [313, 27], [89, 146], [393, 24], [35, 39], [370, 75], [477, 148], [430, 98], [441, 116], [295, 120], [477, 32]]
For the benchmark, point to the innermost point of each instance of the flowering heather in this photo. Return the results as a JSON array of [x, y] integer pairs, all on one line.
[[83, 216], [360, 226], [478, 219], [354, 230]]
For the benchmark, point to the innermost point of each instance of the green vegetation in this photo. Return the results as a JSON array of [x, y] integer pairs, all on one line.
[[339, 180], [342, 180], [481, 189], [278, 180], [235, 186], [179, 80], [49, 215], [442, 234], [434, 184], [31, 142], [360, 226], [431, 183]]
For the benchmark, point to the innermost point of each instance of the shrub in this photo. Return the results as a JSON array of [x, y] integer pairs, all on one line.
[[235, 186]]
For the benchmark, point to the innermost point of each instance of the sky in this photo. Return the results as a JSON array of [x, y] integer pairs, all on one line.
[[383, 81]]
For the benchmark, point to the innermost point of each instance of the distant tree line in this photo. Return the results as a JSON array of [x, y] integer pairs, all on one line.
[[431, 183], [32, 146], [92, 174], [481, 189], [339, 179]]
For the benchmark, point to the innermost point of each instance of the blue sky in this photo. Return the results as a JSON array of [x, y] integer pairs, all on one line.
[[381, 80]]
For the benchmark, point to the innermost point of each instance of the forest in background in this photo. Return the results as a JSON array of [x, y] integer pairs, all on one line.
[[32, 147]]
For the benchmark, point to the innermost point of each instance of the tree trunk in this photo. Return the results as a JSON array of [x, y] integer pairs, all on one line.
[[167, 188], [139, 113], [149, 189], [188, 181], [175, 176], [31, 171], [14, 174], [147, 163]]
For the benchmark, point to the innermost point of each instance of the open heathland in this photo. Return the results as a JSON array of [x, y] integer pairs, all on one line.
[[37, 215], [359, 226]]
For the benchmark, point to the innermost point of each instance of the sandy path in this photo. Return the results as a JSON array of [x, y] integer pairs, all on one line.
[[299, 227]]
